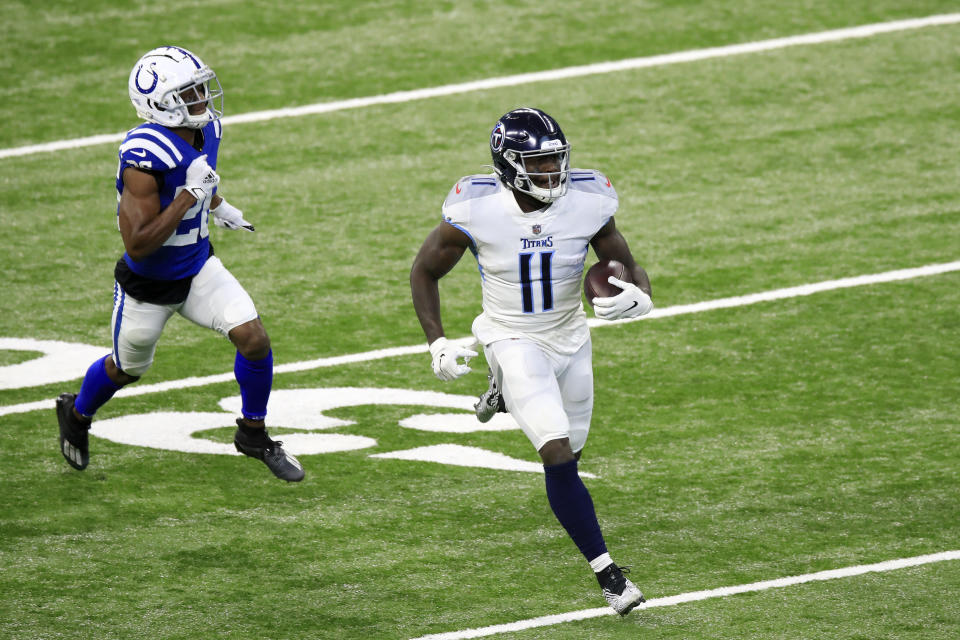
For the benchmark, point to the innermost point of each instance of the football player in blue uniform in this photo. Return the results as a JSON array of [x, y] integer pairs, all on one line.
[[529, 225], [166, 188]]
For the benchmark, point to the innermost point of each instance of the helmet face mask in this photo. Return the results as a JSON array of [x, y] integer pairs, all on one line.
[[531, 154], [541, 174], [167, 85]]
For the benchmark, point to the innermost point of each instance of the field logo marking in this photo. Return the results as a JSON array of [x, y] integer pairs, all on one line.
[[78, 365], [303, 409], [61, 361], [835, 35]]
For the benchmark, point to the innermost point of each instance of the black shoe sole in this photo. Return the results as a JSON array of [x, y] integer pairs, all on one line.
[[631, 607], [68, 450], [259, 456]]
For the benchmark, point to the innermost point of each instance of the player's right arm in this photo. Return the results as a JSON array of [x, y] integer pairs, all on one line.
[[439, 253], [144, 223], [143, 226]]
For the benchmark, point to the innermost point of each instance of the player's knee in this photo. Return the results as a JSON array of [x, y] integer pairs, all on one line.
[[251, 340], [119, 376], [556, 452], [578, 438], [136, 349], [130, 373], [141, 339], [126, 378]]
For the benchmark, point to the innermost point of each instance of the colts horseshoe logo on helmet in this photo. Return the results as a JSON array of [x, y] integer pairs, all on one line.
[[153, 86]]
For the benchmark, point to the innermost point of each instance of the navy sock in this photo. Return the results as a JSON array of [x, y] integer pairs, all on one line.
[[255, 378], [572, 505], [96, 389]]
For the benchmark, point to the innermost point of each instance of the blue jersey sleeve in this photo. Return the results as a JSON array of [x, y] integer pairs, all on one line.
[[145, 148]]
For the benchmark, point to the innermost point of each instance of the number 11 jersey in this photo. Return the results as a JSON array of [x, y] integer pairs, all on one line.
[[531, 264]]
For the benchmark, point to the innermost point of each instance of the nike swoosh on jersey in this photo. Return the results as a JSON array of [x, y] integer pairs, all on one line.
[[142, 154]]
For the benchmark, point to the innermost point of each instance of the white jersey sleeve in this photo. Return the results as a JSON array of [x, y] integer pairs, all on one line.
[[598, 185], [460, 201]]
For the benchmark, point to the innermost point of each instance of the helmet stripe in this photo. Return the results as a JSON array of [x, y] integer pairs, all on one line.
[[189, 55]]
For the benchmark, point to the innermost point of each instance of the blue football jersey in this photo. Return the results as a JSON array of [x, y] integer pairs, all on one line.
[[155, 148]]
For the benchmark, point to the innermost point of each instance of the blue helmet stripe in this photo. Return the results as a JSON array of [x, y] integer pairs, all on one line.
[[189, 55]]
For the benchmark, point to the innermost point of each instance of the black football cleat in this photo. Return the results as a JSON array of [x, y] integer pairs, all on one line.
[[621, 594], [74, 433], [282, 464]]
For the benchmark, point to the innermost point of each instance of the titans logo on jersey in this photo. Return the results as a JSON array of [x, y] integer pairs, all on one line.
[[161, 152]]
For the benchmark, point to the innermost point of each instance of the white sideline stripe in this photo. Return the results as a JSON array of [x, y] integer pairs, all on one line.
[[863, 31], [392, 352], [790, 292], [583, 614]]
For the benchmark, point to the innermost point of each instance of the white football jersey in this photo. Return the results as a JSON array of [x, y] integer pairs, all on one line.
[[531, 263]]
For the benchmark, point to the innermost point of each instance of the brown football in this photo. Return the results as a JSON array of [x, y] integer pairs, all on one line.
[[595, 283]]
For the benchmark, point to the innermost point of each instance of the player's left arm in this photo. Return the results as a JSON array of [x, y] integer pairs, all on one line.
[[609, 244]]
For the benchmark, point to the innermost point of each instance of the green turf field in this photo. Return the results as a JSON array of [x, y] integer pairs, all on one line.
[[731, 446]]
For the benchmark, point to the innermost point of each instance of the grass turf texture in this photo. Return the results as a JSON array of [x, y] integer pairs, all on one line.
[[734, 446], [272, 54]]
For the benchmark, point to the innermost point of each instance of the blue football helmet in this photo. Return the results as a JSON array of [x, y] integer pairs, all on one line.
[[531, 154]]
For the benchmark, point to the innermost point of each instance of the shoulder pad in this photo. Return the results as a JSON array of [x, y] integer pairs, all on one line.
[[470, 187], [591, 181], [148, 148]]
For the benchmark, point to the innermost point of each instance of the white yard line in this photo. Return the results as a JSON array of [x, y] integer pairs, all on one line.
[[835, 35], [392, 352], [693, 596], [793, 292]]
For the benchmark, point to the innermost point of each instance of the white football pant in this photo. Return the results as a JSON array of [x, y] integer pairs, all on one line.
[[549, 395], [216, 301]]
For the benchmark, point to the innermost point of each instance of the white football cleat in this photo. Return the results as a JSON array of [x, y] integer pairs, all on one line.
[[622, 595], [490, 401]]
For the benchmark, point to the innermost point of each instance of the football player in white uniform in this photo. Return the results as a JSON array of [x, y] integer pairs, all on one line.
[[166, 187], [529, 226]]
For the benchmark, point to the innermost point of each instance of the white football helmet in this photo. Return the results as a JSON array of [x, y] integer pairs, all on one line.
[[160, 88]]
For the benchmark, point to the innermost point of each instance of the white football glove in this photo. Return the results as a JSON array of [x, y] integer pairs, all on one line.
[[229, 217], [445, 355], [631, 303], [201, 178]]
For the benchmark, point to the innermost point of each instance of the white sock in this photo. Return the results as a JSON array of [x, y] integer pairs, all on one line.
[[601, 562]]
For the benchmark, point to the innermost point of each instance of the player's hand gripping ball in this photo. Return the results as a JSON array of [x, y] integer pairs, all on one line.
[[596, 283], [611, 292]]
